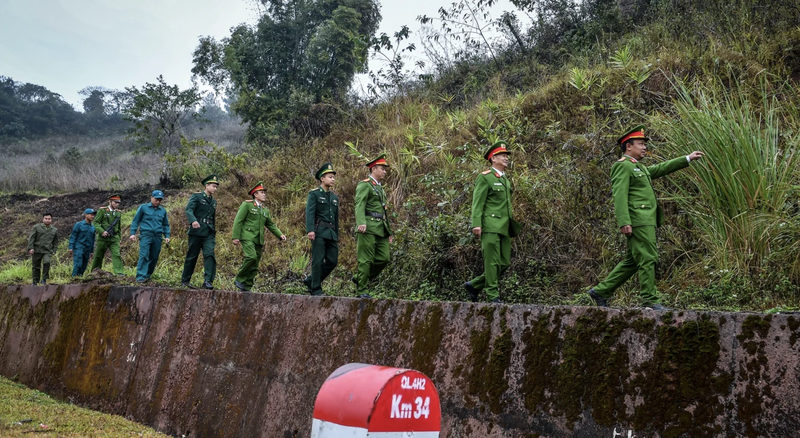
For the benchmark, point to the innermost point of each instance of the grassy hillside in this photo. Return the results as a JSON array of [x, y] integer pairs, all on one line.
[[722, 83], [25, 412]]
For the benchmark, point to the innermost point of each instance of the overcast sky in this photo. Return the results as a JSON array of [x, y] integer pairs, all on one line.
[[66, 45]]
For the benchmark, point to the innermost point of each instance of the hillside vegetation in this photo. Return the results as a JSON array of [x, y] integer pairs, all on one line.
[[719, 76]]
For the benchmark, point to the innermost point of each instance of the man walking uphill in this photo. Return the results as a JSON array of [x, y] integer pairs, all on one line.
[[81, 242], [322, 226], [152, 223], [109, 228], [493, 223], [638, 215], [373, 233], [42, 244], [201, 212], [248, 230]]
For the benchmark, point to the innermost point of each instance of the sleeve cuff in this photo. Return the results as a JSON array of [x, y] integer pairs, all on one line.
[[688, 160]]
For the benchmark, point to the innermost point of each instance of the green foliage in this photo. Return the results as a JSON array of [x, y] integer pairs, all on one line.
[[198, 158], [33, 110], [158, 113], [50, 416], [391, 79], [298, 54], [741, 194]]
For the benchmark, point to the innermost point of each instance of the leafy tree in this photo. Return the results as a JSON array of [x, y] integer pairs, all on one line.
[[112, 101], [299, 54], [94, 104], [33, 110], [158, 113], [391, 77]]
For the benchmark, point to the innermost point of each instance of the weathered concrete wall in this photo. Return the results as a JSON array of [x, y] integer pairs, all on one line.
[[225, 364]]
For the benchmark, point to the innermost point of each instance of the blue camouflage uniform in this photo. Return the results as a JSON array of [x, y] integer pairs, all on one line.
[[153, 224], [81, 242]]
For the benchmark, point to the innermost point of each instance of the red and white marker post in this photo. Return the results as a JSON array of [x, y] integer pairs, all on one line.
[[360, 401]]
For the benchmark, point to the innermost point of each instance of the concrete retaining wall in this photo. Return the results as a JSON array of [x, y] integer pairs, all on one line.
[[226, 364]]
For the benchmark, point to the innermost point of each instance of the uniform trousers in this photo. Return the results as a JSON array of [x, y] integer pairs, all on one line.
[[324, 258], [80, 260], [104, 245], [373, 255], [197, 244], [252, 258], [41, 265], [149, 250], [496, 250], [641, 256]]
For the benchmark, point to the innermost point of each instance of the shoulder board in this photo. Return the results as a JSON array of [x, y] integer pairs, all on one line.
[[249, 200], [103, 208], [486, 172], [365, 180], [622, 159]]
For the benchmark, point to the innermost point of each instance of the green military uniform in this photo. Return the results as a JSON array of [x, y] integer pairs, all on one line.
[[102, 223], [202, 209], [635, 204], [43, 240], [248, 228], [322, 218], [372, 246], [491, 211]]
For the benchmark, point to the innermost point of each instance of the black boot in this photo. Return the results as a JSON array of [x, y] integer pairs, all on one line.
[[473, 293], [602, 302]]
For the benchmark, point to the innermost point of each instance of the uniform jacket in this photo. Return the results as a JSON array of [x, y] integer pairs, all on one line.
[[43, 239], [491, 203], [250, 221], [635, 201], [202, 209], [82, 237], [150, 219], [370, 197], [103, 220], [322, 208]]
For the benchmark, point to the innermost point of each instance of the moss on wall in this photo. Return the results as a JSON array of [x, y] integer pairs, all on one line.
[[427, 337], [86, 330], [751, 403], [680, 385], [569, 369]]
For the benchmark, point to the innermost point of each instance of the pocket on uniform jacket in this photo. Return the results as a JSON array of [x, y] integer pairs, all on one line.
[[492, 217]]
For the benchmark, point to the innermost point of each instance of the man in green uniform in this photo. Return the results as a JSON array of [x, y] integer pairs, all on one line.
[[492, 222], [638, 215], [373, 233], [248, 230], [107, 223], [322, 226], [42, 244], [201, 214]]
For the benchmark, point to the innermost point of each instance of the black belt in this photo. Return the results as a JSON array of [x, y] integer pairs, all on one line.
[[207, 221], [373, 214], [325, 224]]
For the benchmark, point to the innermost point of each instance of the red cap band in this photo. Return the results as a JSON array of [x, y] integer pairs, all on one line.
[[380, 162], [255, 189], [632, 135], [497, 150]]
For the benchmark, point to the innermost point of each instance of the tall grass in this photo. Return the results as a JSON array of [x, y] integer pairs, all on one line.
[[740, 194]]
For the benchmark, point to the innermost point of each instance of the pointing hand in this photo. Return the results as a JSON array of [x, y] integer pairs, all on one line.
[[696, 155]]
